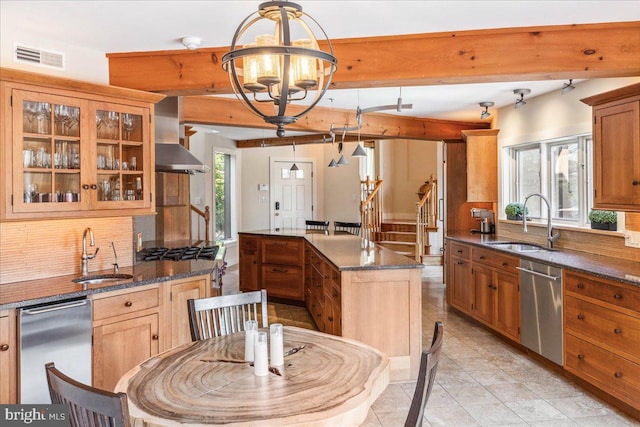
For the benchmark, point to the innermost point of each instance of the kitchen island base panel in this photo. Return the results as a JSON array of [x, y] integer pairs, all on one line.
[[383, 309]]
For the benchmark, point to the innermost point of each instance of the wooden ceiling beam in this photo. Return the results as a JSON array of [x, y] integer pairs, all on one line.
[[509, 54], [229, 112]]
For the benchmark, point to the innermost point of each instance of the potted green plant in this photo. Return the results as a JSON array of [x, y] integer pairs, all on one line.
[[603, 220], [514, 211]]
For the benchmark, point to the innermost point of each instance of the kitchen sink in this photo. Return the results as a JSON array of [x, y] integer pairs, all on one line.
[[102, 278], [518, 247]]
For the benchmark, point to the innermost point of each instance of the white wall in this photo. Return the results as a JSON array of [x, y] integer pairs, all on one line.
[[79, 63]]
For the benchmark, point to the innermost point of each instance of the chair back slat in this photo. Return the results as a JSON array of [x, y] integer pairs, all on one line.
[[319, 226], [426, 377], [227, 314], [347, 227], [88, 406]]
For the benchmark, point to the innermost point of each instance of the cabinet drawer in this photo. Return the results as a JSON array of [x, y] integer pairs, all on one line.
[[460, 251], [602, 290], [495, 259], [283, 282], [282, 251], [604, 325], [248, 243], [125, 303], [614, 374]]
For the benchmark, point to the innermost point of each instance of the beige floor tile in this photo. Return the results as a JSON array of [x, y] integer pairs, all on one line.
[[581, 406], [492, 376], [452, 415], [566, 422], [615, 420], [492, 414], [472, 394], [511, 392], [535, 410]]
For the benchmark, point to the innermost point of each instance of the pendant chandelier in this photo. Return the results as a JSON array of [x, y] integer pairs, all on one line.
[[273, 63]]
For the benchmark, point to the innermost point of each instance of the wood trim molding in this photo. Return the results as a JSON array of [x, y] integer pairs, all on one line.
[[491, 55]]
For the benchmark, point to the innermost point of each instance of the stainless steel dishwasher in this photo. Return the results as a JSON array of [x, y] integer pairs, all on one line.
[[59, 333], [541, 309]]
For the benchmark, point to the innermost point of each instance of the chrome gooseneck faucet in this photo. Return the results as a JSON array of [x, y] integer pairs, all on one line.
[[550, 237], [86, 257]]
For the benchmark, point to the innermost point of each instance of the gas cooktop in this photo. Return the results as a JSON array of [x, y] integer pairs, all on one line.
[[179, 254]]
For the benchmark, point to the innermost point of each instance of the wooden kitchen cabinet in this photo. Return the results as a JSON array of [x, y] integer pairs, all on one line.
[[324, 290], [497, 291], [602, 334], [126, 331], [175, 294], [281, 270], [8, 357], [73, 148], [616, 148], [460, 289], [482, 164], [249, 265]]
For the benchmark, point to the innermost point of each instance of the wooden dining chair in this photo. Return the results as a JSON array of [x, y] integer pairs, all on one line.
[[88, 406], [426, 377], [226, 314], [347, 227], [317, 226]]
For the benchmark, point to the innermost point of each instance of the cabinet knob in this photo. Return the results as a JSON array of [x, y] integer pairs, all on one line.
[[504, 264], [618, 374], [460, 262], [617, 331], [489, 286], [154, 337], [634, 182], [494, 287], [128, 304], [94, 187], [481, 256], [330, 318], [581, 356], [580, 286], [617, 296], [4, 347], [459, 251], [85, 186], [580, 316]]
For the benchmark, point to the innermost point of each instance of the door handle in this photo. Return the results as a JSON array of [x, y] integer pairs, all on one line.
[[535, 273]]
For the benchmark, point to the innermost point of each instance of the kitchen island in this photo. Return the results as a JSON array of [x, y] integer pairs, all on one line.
[[352, 288]]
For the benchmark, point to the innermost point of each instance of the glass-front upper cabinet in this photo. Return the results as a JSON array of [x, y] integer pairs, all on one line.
[[48, 152], [74, 154], [121, 134]]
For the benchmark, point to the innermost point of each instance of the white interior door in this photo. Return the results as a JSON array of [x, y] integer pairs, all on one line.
[[292, 194]]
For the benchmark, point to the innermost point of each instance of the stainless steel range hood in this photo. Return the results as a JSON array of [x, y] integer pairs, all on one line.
[[171, 157]]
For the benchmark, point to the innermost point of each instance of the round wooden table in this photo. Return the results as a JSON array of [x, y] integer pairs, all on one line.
[[331, 381]]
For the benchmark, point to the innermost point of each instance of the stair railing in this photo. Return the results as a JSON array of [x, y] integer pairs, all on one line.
[[426, 217], [206, 216], [370, 207]]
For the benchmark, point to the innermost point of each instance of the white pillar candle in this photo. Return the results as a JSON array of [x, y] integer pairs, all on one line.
[[250, 330], [276, 345], [261, 362]]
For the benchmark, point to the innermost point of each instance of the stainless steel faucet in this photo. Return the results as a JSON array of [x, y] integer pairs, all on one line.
[[86, 257], [550, 237], [116, 268]]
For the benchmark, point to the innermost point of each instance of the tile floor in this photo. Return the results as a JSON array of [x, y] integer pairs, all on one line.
[[481, 381]]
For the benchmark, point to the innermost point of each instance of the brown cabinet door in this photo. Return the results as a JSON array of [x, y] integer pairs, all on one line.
[[461, 285], [249, 269], [507, 314], [120, 346], [616, 155], [483, 294], [179, 294], [283, 281], [8, 354]]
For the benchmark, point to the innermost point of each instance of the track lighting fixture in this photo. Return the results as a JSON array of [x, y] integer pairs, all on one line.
[[567, 87], [486, 105], [522, 92]]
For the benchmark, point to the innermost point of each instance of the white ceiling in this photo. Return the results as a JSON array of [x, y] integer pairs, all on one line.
[[147, 25]]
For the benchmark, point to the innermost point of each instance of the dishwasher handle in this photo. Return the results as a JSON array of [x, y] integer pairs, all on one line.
[[535, 273], [49, 308]]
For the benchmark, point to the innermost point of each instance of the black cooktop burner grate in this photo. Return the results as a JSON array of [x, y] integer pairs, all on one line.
[[180, 254]]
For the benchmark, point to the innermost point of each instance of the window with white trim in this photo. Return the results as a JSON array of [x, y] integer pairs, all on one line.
[[561, 170]]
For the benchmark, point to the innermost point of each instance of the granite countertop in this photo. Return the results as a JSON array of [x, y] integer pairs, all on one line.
[[347, 252], [50, 290], [597, 265]]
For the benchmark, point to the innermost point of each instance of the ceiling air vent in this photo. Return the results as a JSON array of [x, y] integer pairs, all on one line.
[[41, 57]]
